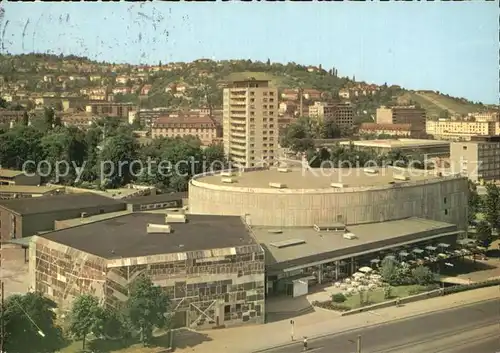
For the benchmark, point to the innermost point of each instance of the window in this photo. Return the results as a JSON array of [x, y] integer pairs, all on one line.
[[446, 212], [464, 147], [444, 200]]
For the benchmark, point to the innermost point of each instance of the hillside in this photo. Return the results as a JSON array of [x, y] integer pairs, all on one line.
[[201, 81], [435, 103]]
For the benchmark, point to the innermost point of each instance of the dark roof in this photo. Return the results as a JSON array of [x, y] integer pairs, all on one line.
[[142, 200], [126, 236], [56, 203]]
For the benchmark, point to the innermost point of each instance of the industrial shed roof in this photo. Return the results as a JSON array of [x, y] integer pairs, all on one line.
[[126, 236], [322, 245], [25, 206]]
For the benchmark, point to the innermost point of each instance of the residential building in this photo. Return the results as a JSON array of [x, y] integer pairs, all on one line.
[[461, 130], [47, 101], [417, 147], [10, 116], [200, 126], [81, 120], [311, 94], [8, 192], [400, 130], [478, 159], [18, 177], [485, 116], [343, 115], [75, 103], [25, 217], [119, 110], [147, 117], [250, 122], [290, 95], [402, 115], [321, 111], [211, 267]]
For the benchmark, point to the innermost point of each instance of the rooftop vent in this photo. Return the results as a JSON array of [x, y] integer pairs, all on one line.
[[84, 215], [277, 185], [226, 174], [401, 177], [287, 243], [349, 236], [370, 171], [283, 170], [159, 228], [328, 227], [228, 180], [338, 185], [275, 231], [175, 218]]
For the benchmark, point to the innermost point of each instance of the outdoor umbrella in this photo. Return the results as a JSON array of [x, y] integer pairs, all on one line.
[[365, 269], [430, 248], [358, 274]]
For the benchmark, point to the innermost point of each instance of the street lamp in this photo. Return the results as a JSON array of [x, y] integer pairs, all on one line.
[[358, 343]]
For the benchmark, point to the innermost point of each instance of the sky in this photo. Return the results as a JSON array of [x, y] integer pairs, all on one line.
[[449, 47]]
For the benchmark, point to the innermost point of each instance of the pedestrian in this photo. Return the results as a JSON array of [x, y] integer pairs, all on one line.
[[305, 343]]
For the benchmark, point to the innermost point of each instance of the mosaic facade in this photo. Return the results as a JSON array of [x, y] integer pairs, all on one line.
[[211, 288]]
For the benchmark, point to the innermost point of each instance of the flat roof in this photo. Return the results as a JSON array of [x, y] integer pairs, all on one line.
[[141, 200], [126, 236], [399, 143], [56, 203], [74, 222], [326, 245], [29, 189], [321, 179], [10, 173]]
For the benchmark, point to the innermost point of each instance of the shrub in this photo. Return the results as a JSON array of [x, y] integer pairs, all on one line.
[[387, 292], [422, 275], [331, 306], [338, 298]]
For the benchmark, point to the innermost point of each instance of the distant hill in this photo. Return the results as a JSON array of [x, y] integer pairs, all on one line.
[[435, 103], [203, 77]]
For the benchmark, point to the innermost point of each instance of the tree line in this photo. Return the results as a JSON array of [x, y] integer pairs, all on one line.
[[30, 324], [484, 213], [106, 155]]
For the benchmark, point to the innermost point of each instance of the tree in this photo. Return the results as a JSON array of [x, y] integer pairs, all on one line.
[[492, 205], [148, 307], [48, 117], [84, 314], [444, 114], [484, 236], [389, 270], [30, 325], [473, 202], [116, 159], [422, 275], [26, 119]]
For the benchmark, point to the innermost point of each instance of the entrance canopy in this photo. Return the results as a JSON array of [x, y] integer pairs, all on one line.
[[24, 242]]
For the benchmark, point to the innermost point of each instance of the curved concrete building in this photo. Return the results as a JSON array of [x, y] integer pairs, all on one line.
[[301, 198]]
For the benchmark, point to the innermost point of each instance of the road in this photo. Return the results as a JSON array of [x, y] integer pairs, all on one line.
[[474, 328]]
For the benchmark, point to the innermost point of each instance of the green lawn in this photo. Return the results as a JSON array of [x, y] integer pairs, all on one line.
[[377, 296]]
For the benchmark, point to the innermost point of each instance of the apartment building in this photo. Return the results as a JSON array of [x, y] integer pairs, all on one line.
[[201, 126], [400, 130], [485, 116], [461, 130], [479, 158], [341, 113], [81, 120], [250, 122], [402, 115], [118, 110]]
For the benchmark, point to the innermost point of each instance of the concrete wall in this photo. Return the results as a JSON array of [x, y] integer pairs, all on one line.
[[443, 199]]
